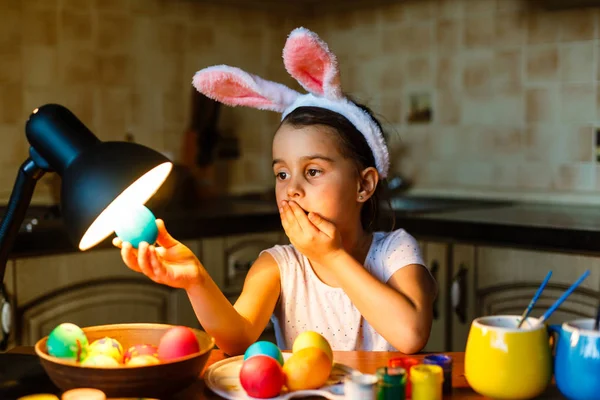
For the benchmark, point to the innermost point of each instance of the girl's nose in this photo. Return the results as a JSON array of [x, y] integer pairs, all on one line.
[[294, 189]]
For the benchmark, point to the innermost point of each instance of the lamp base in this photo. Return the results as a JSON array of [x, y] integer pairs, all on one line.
[[21, 375]]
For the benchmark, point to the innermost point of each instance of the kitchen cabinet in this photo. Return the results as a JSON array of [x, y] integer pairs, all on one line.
[[508, 278], [89, 288], [228, 259], [491, 280]]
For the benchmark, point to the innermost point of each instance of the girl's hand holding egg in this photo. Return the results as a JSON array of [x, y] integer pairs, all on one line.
[[171, 264], [136, 224], [311, 234]]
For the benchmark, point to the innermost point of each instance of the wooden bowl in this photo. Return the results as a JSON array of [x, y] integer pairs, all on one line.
[[155, 381]]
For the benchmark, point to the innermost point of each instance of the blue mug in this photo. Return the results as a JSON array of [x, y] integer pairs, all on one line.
[[577, 359]]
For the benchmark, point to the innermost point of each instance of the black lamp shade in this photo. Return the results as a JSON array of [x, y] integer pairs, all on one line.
[[99, 178]]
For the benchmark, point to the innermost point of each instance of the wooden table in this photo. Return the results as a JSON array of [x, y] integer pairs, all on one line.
[[364, 361]]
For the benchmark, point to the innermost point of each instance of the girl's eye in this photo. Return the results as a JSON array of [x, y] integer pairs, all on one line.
[[313, 172], [281, 175]]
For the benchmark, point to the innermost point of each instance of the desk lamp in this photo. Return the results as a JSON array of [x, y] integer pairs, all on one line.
[[99, 181]]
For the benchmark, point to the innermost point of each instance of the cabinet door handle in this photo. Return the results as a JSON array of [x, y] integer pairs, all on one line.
[[459, 294], [435, 268]]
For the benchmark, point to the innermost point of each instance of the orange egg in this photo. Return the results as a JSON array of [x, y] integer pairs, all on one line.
[[308, 368]]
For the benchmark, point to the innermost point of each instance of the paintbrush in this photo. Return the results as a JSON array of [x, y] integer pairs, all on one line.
[[535, 298], [562, 298]]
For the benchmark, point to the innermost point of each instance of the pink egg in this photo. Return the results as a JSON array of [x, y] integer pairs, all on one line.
[[177, 342]]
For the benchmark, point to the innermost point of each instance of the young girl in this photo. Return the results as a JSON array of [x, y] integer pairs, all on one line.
[[360, 290]]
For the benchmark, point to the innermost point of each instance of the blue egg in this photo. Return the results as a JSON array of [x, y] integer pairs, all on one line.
[[264, 348], [136, 224]]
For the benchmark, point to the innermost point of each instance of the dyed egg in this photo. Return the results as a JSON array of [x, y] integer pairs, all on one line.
[[177, 342], [312, 339], [262, 377], [99, 360], [108, 346], [136, 224], [144, 359], [265, 348], [83, 394], [67, 341], [140, 350], [308, 368]]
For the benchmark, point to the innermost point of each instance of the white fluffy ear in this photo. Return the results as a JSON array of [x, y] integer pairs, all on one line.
[[308, 59], [235, 87]]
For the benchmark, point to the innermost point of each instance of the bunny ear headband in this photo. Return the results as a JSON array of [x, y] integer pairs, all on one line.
[[308, 60]]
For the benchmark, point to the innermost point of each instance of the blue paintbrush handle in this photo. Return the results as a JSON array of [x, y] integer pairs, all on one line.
[[536, 296], [562, 298]]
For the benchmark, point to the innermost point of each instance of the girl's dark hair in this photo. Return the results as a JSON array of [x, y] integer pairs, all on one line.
[[352, 145]]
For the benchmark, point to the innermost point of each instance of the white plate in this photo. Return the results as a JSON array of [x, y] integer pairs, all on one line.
[[222, 378]]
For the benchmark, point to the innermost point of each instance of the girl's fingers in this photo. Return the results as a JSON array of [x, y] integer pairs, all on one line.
[[164, 238], [157, 266], [129, 256], [284, 222], [290, 218], [117, 242], [322, 224], [302, 220], [143, 260]]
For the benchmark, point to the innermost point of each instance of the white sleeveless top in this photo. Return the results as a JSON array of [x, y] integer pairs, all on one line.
[[306, 303]]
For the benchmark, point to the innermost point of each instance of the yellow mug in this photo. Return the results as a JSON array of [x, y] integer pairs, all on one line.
[[506, 362]]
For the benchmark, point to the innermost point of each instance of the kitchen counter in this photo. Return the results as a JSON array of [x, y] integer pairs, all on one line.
[[538, 226]]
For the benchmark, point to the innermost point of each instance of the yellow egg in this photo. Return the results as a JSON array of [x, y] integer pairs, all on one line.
[[107, 346], [307, 368], [142, 360], [312, 339], [99, 360]]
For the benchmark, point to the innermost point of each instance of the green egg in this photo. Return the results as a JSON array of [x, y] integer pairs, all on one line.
[[67, 341]]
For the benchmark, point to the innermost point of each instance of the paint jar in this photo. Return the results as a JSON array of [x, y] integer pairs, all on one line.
[[426, 382], [359, 386], [445, 362], [391, 383], [406, 363]]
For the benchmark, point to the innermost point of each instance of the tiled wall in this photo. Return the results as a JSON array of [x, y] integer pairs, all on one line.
[[514, 90], [126, 66]]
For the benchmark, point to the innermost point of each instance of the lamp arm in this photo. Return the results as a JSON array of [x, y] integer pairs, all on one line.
[[29, 173]]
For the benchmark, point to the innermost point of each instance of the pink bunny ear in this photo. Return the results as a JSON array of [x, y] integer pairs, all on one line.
[[235, 87], [308, 59]]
